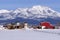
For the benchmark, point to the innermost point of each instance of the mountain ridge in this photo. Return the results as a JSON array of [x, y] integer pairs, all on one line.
[[34, 13]]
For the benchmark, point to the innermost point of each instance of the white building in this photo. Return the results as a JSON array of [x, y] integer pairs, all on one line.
[[43, 27], [26, 26], [1, 27]]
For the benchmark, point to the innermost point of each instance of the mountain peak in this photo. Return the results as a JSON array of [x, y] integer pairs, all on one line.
[[39, 6]]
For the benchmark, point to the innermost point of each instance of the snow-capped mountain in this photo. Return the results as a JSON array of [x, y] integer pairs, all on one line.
[[31, 13], [5, 14], [35, 13]]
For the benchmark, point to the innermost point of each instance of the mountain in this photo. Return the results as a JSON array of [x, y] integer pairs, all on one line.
[[34, 14]]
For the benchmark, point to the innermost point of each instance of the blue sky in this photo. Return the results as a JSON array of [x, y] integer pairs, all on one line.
[[13, 4]]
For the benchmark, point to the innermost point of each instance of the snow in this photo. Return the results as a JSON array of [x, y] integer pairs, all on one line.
[[21, 34], [29, 13], [4, 11]]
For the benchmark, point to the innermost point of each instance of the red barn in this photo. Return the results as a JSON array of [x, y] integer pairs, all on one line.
[[47, 25]]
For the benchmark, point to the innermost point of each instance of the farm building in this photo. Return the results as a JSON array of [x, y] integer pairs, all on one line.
[[46, 25]]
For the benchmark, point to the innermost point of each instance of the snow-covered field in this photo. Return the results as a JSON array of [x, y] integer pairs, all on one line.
[[20, 34]]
